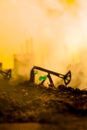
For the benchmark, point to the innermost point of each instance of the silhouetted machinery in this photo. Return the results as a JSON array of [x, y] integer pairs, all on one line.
[[66, 77], [5, 74]]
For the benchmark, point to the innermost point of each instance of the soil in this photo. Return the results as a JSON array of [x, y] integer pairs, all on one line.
[[28, 102]]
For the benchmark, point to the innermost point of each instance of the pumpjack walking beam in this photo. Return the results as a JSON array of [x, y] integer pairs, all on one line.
[[66, 77]]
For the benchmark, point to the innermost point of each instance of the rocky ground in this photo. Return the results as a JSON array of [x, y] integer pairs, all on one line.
[[27, 102]]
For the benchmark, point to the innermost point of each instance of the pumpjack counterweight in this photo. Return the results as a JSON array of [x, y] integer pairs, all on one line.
[[66, 77]]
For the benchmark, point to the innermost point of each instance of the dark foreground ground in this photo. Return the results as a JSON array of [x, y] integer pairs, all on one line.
[[64, 107]]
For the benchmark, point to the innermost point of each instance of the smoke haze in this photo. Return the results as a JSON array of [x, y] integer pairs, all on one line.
[[58, 29]]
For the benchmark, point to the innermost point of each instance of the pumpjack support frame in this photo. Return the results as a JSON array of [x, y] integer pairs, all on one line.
[[66, 77], [6, 74]]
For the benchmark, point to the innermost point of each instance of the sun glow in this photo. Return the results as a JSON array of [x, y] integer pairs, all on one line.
[[69, 2]]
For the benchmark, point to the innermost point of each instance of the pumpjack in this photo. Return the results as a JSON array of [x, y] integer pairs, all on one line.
[[5, 74], [66, 77]]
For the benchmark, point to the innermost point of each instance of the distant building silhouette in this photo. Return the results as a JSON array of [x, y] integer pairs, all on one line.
[[23, 62]]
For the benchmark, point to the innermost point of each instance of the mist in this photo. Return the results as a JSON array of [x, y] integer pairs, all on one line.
[[58, 30]]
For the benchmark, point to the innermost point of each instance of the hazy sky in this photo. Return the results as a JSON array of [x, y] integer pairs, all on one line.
[[55, 22]]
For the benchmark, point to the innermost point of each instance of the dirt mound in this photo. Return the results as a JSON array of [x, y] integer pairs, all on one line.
[[27, 102]]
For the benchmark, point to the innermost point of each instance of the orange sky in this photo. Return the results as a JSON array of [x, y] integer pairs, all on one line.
[[57, 22]]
